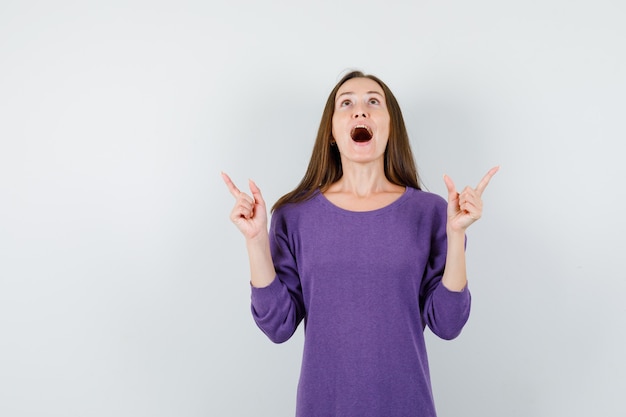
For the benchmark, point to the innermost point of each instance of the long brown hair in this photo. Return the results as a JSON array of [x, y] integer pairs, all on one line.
[[325, 165]]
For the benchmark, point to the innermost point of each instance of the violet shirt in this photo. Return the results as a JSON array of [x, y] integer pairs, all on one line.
[[366, 284]]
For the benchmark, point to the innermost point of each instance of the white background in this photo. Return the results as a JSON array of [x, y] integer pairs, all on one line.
[[123, 285]]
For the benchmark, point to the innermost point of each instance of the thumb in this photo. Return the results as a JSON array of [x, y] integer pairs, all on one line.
[[256, 193], [452, 194]]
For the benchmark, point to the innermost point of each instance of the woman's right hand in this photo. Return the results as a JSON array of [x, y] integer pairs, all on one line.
[[249, 213]]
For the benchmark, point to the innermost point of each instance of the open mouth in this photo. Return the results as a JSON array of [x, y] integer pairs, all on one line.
[[361, 133]]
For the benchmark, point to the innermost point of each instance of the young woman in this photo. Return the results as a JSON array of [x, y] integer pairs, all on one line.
[[362, 255]]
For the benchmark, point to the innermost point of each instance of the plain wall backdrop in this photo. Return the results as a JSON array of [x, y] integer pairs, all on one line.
[[123, 285]]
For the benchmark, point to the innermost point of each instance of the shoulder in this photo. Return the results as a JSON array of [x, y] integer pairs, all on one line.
[[293, 212], [425, 207], [425, 199]]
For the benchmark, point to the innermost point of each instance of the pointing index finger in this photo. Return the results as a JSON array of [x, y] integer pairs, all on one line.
[[485, 181], [231, 185]]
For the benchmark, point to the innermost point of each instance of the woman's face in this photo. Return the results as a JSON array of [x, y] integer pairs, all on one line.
[[360, 123]]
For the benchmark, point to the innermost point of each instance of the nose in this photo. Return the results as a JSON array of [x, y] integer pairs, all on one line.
[[359, 113]]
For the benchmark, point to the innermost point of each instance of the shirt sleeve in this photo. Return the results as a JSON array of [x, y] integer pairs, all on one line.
[[444, 311], [278, 308]]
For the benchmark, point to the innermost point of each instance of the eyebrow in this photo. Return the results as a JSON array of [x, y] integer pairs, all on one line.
[[352, 93]]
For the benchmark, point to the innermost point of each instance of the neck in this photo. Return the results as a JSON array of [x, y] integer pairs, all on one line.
[[362, 180]]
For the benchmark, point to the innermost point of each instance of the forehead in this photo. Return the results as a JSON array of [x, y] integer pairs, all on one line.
[[360, 86]]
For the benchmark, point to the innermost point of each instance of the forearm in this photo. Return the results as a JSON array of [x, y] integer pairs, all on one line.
[[262, 271], [455, 273], [277, 304]]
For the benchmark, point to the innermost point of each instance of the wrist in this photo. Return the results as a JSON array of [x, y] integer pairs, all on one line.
[[259, 239], [453, 234]]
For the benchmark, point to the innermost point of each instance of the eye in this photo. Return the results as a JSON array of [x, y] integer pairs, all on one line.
[[373, 101], [345, 103]]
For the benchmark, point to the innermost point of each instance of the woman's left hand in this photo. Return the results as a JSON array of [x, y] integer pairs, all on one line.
[[466, 207]]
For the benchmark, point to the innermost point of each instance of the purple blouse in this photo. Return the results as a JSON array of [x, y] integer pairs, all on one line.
[[366, 284]]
